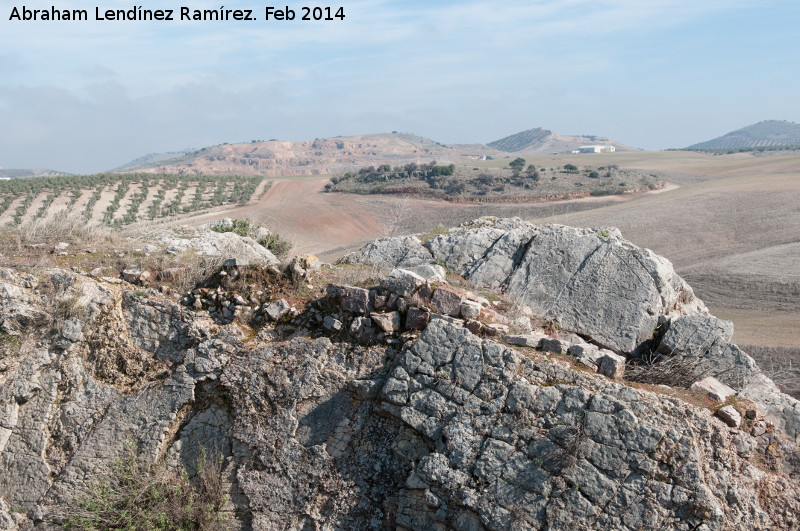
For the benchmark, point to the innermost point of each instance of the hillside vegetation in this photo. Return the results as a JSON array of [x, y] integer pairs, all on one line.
[[520, 141], [766, 135], [495, 181], [119, 199]]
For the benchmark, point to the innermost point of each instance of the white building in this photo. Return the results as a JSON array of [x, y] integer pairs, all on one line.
[[596, 149]]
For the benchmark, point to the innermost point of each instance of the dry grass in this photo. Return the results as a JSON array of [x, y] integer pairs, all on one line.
[[135, 494]]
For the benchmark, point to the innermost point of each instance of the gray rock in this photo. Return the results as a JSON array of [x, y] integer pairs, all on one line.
[[559, 346], [361, 326], [332, 324], [612, 365], [229, 245], [470, 309], [388, 322], [694, 335], [525, 340], [277, 310], [713, 388], [447, 301], [355, 300], [431, 273], [704, 338], [402, 282], [730, 416], [417, 319], [396, 252]]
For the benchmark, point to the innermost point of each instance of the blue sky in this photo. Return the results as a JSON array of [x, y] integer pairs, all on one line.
[[88, 96]]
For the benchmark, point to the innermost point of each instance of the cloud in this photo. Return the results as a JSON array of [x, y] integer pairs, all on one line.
[[92, 95]]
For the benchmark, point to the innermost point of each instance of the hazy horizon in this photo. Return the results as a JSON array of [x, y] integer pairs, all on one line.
[[89, 96]]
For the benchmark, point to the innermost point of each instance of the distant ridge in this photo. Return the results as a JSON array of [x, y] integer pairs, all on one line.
[[152, 158], [11, 173], [766, 134]]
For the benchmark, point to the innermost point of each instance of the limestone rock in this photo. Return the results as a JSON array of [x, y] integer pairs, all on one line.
[[402, 282], [277, 310], [713, 388], [559, 346], [730, 416], [525, 340], [470, 309], [398, 252], [612, 365], [226, 245], [706, 338], [417, 319]]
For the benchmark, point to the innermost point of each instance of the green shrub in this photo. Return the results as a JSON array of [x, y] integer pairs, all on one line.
[[277, 245], [240, 226]]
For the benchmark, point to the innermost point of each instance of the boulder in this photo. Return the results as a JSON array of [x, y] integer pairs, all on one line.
[[730, 416], [601, 287], [706, 338], [431, 273], [402, 252], [277, 310], [612, 365], [470, 309], [361, 326], [558, 346], [402, 282], [205, 241], [355, 300], [694, 335], [417, 319], [447, 301], [331, 323]]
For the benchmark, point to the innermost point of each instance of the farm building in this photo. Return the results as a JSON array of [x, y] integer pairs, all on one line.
[[596, 149]]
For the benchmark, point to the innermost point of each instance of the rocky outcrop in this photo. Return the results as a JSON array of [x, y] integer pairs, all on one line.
[[595, 283], [206, 241], [591, 281], [378, 407]]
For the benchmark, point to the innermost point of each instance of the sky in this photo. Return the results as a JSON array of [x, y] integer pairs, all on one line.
[[89, 96]]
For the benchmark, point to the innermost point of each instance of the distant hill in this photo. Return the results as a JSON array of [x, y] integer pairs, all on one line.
[[541, 140], [152, 158], [766, 134], [342, 154], [35, 172], [318, 156]]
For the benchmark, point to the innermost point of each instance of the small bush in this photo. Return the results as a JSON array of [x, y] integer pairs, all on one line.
[[277, 245], [240, 226]]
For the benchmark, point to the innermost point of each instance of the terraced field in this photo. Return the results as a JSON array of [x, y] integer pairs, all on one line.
[[121, 199]]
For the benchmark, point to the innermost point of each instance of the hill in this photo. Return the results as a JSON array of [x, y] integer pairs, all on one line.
[[323, 156], [12, 173], [541, 140], [314, 157], [152, 158], [766, 134]]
